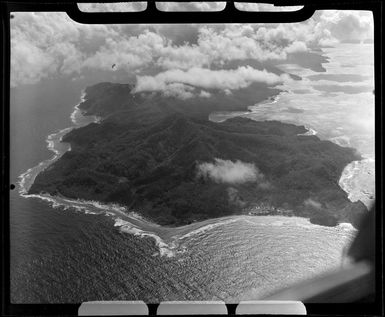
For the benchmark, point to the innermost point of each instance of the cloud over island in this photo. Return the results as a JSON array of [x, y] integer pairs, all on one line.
[[229, 172], [181, 81]]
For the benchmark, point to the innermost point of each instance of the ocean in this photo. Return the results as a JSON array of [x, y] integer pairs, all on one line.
[[66, 251]]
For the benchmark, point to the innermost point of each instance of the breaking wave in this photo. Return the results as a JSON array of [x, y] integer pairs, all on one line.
[[309, 131], [165, 249], [206, 228], [356, 184]]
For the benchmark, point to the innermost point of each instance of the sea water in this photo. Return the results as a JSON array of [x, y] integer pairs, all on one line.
[[68, 251]]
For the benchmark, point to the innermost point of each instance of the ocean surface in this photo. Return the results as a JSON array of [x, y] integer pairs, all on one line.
[[65, 251]]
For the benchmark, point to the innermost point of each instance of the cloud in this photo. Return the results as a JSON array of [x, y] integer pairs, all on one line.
[[234, 197], [179, 90], [296, 46], [207, 79], [184, 33], [130, 53], [182, 57], [328, 27], [346, 26], [28, 57], [204, 94], [312, 203], [226, 171], [45, 44], [48, 44], [243, 42]]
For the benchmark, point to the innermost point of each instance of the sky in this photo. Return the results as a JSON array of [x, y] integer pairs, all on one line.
[[170, 58]]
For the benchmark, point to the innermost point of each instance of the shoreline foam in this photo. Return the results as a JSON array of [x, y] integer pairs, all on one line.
[[27, 178], [309, 131], [77, 112], [54, 144], [351, 174]]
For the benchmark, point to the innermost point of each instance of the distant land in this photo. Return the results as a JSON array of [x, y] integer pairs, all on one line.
[[163, 158]]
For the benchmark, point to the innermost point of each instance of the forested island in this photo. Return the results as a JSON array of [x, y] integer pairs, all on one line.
[[163, 158]]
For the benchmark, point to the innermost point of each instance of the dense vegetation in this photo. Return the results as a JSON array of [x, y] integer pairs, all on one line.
[[146, 151]]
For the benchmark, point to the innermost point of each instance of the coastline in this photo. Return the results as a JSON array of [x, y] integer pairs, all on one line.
[[169, 240], [221, 116], [55, 145], [27, 178]]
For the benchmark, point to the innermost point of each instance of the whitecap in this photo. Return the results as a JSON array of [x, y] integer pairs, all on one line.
[[165, 249], [206, 228], [351, 181]]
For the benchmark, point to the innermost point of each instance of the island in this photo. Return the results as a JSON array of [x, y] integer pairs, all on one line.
[[163, 158]]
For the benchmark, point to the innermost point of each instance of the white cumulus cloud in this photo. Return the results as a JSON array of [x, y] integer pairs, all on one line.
[[231, 79], [204, 94], [226, 171], [179, 90]]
